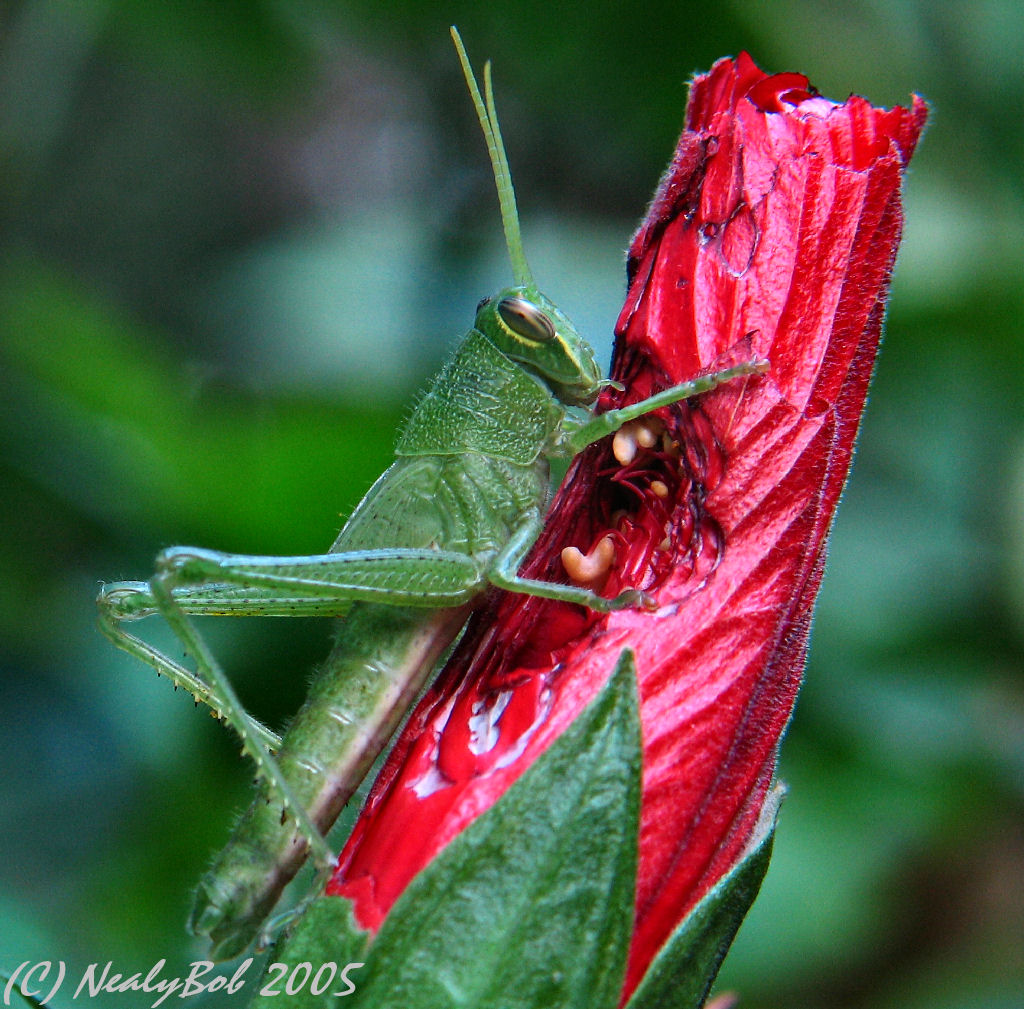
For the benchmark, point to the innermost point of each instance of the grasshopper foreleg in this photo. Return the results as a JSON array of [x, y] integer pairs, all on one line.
[[604, 424]]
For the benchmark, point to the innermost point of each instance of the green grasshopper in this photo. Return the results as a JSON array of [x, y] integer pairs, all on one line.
[[457, 511]]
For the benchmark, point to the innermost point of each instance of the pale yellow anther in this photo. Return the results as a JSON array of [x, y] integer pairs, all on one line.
[[637, 434], [668, 445], [587, 568], [649, 430], [624, 446], [660, 488]]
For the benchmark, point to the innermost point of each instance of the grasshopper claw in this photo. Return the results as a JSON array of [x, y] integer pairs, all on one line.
[[633, 599]]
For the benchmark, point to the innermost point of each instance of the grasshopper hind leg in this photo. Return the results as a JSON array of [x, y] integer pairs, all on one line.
[[123, 601], [224, 908], [209, 671]]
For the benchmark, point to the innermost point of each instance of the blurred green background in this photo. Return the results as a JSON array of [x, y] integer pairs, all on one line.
[[237, 236]]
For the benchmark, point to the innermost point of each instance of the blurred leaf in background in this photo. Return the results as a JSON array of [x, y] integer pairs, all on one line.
[[235, 237]]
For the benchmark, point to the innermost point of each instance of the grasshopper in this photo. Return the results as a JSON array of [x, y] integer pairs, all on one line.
[[457, 511]]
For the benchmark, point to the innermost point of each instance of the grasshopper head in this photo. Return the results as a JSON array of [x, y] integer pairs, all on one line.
[[530, 329], [520, 321]]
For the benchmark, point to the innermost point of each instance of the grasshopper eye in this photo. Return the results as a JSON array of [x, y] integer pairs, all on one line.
[[526, 319]]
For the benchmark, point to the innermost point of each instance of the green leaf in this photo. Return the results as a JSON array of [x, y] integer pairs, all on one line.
[[682, 973], [531, 906]]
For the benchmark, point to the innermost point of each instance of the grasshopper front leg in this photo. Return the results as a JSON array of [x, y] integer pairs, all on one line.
[[595, 428]]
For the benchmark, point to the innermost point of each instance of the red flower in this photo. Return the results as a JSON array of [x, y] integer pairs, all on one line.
[[772, 235]]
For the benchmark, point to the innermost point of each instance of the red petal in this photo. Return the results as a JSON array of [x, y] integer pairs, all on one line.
[[773, 233]]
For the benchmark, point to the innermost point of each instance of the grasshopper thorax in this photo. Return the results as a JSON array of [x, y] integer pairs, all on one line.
[[530, 329]]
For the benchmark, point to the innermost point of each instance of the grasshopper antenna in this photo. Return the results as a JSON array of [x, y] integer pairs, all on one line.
[[488, 116]]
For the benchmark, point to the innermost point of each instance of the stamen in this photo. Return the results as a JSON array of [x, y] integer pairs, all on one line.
[[624, 446], [586, 568], [648, 431], [635, 435], [659, 488]]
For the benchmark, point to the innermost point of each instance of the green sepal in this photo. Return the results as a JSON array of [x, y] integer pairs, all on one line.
[[530, 907], [682, 973]]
